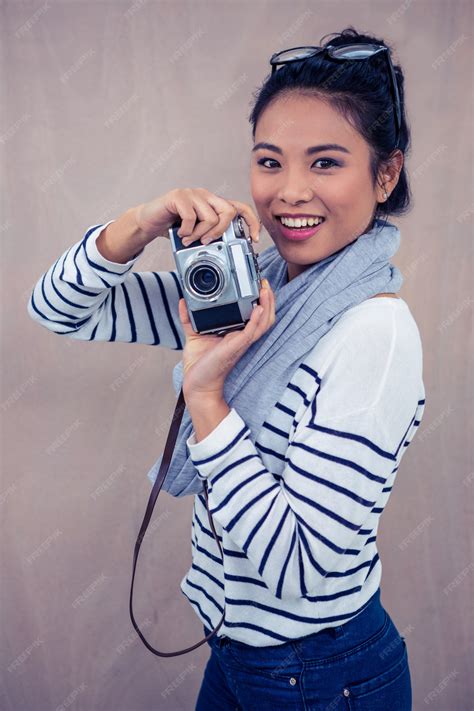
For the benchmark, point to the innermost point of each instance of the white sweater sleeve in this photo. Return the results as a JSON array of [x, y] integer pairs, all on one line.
[[87, 297], [340, 466]]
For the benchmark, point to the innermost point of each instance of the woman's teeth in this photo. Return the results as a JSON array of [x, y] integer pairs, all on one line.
[[301, 221]]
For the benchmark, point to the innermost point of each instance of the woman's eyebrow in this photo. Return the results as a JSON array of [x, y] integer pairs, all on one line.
[[309, 151]]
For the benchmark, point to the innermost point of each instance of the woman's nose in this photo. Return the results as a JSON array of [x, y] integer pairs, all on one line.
[[294, 190]]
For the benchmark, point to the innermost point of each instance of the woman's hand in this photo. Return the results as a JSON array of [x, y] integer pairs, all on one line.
[[207, 359], [214, 215]]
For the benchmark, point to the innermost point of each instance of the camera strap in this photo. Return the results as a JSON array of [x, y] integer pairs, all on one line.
[[168, 452]]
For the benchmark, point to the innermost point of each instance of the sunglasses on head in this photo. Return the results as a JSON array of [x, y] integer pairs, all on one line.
[[344, 53]]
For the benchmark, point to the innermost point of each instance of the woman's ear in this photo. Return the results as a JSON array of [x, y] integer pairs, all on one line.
[[389, 175]]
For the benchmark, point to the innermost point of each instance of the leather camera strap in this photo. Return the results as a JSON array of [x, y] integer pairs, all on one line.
[[168, 452]]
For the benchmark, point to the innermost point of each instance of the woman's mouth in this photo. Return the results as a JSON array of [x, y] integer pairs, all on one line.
[[299, 229]]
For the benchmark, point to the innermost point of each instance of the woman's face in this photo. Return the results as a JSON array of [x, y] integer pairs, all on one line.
[[333, 183]]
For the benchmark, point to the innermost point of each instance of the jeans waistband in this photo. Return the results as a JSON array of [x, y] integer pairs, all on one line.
[[332, 640]]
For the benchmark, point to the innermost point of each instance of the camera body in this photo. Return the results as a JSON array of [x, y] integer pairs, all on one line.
[[220, 281]]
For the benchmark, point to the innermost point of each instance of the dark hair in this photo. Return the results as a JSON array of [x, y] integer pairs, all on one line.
[[360, 91]]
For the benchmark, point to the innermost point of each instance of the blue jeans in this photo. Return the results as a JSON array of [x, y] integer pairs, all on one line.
[[361, 665]]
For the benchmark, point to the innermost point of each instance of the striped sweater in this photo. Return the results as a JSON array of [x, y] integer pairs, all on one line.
[[297, 512]]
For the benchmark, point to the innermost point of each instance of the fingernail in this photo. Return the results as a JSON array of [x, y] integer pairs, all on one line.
[[265, 283]]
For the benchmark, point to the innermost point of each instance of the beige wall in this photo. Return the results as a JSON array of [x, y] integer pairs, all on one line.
[[108, 104]]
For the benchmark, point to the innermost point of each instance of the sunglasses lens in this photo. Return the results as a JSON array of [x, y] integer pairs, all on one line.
[[355, 51], [298, 53]]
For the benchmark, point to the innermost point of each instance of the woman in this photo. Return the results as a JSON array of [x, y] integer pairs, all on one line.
[[296, 502]]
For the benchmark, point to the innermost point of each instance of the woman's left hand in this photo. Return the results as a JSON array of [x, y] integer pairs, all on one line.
[[207, 359]]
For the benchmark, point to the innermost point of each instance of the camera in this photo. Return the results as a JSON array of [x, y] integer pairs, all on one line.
[[220, 281]]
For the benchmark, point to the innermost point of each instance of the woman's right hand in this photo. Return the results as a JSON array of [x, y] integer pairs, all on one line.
[[213, 214]]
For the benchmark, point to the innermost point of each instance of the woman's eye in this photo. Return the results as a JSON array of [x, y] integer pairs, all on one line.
[[326, 160], [262, 161]]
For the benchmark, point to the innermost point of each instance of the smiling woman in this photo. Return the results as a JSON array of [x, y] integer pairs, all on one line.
[[327, 164], [324, 133]]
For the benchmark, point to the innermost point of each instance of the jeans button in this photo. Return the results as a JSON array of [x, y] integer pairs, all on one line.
[[292, 681]]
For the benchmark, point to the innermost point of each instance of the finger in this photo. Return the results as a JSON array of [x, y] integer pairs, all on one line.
[[184, 318], [267, 300], [207, 218], [272, 305], [225, 212], [188, 217], [250, 218], [266, 318]]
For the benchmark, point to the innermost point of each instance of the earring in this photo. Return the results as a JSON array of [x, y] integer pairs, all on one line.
[[385, 195]]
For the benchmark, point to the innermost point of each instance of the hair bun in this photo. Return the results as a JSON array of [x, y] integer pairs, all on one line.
[[351, 36]]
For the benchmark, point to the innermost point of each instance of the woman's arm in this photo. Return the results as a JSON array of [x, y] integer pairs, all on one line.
[[88, 296]]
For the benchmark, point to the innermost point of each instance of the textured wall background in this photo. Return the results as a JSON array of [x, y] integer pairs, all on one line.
[[109, 104]]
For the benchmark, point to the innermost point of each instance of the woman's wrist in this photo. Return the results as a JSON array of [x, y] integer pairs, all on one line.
[[123, 239], [206, 412]]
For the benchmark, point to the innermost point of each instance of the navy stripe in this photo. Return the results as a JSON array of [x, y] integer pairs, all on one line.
[[53, 308], [312, 372], [357, 438], [330, 485], [339, 460], [206, 594], [283, 408], [149, 312], [236, 489], [63, 298], [296, 389], [327, 542], [76, 324], [285, 566], [205, 530], [244, 432], [303, 588], [78, 273], [131, 319], [201, 611], [276, 430], [178, 285], [113, 333], [70, 284], [245, 508], [267, 450], [167, 310], [257, 525], [272, 541], [322, 509], [245, 602], [232, 465], [205, 572], [245, 580]]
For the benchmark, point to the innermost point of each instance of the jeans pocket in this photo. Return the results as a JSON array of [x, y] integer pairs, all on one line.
[[390, 689]]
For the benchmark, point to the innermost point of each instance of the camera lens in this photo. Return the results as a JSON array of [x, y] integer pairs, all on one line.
[[204, 280]]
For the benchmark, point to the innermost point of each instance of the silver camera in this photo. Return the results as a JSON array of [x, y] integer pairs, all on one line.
[[220, 281]]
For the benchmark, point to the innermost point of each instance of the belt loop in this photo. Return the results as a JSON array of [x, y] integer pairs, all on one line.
[[337, 631]]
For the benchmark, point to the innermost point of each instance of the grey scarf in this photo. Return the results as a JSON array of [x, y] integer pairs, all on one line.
[[306, 308]]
